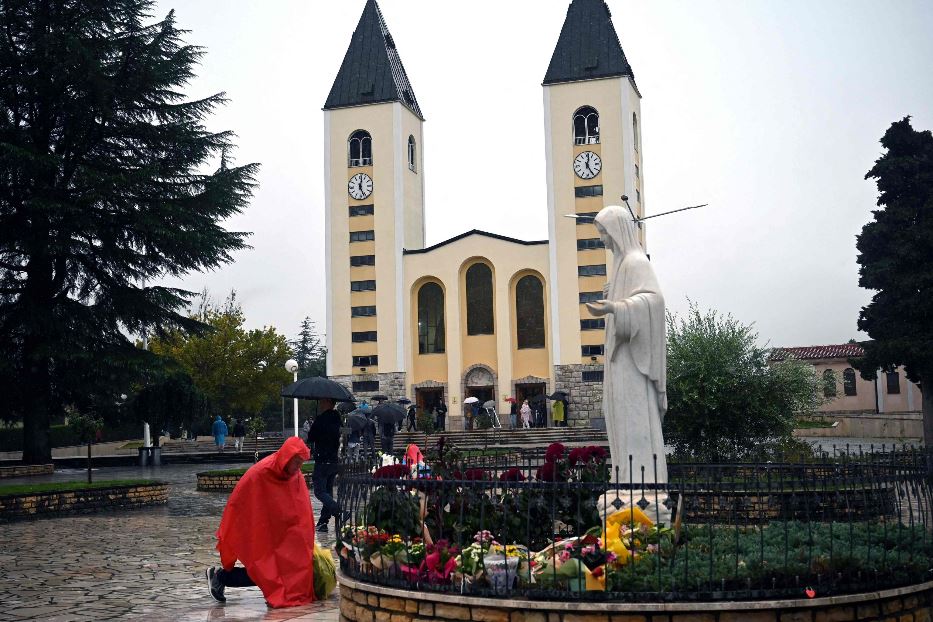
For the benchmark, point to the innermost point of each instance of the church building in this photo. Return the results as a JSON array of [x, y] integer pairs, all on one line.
[[480, 314]]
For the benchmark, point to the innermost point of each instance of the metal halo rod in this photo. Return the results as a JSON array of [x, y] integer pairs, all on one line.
[[673, 211]]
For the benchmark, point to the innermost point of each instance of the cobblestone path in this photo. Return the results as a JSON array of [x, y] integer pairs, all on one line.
[[134, 565]]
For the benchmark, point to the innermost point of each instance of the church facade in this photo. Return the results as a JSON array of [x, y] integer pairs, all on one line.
[[480, 314]]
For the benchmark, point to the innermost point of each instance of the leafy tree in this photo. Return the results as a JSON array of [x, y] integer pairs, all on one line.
[[104, 182], [172, 402], [238, 370], [309, 351], [85, 428], [896, 260], [725, 399]]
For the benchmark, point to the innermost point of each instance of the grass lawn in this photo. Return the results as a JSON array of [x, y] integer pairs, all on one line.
[[26, 489], [132, 445], [307, 467]]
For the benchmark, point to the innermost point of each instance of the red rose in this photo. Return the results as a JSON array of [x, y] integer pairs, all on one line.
[[512, 475], [578, 456], [555, 451]]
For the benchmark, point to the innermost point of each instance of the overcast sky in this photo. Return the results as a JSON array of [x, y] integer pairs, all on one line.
[[771, 112]]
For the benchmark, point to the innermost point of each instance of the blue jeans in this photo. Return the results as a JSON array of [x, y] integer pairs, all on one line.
[[323, 479]]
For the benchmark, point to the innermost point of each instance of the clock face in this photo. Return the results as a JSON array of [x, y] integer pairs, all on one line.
[[587, 165], [360, 186]]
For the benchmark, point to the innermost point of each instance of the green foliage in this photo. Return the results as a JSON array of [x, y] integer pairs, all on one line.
[[84, 427], [238, 370], [394, 510], [105, 170], [783, 555], [306, 467], [309, 351], [172, 403], [724, 398], [26, 489], [896, 260], [483, 420], [425, 422], [11, 439]]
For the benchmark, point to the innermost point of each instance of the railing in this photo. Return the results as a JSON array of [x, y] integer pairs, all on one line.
[[567, 526], [361, 161]]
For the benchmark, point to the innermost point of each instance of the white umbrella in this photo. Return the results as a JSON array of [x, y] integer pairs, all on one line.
[[471, 400]]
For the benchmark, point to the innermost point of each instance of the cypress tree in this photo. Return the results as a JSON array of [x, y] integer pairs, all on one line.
[[896, 260], [106, 183]]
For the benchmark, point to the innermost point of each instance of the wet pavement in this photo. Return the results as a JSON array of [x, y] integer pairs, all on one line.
[[145, 564]]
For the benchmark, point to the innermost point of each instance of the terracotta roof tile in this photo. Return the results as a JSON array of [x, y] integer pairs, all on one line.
[[804, 353]]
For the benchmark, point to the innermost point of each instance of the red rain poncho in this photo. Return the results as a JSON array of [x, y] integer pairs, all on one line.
[[268, 525]]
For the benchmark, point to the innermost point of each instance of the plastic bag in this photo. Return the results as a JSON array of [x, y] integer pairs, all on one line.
[[325, 573]]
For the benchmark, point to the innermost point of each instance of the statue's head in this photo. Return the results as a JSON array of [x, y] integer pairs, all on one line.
[[617, 229]]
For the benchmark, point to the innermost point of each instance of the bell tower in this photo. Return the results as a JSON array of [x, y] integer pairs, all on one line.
[[374, 208], [592, 117]]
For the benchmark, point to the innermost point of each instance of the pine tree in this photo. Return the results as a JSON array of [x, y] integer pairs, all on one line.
[[896, 260], [103, 185], [309, 351]]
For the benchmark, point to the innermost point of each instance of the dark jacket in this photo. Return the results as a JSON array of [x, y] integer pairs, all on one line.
[[325, 434], [239, 429]]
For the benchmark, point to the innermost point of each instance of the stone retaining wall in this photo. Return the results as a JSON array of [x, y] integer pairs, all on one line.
[[225, 483], [67, 502], [26, 470], [362, 602]]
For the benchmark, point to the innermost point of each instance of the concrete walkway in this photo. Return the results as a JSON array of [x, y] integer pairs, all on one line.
[[132, 565]]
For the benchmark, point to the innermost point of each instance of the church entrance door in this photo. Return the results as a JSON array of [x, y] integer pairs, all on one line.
[[427, 399]]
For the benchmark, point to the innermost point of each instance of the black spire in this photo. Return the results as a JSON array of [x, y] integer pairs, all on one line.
[[372, 70], [588, 46]]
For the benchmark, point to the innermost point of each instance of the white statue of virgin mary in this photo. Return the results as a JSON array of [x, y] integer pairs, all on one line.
[[634, 391]]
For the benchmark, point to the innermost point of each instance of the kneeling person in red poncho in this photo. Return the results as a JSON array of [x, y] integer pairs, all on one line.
[[268, 525]]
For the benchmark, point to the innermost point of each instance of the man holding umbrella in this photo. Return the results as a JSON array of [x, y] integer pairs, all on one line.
[[325, 436]]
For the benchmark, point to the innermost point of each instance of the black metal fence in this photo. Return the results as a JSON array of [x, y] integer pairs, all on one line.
[[564, 524]]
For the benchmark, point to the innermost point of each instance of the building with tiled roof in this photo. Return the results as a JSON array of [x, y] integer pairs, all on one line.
[[844, 388]]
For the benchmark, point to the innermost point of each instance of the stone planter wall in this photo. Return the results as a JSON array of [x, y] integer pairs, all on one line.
[[26, 470], [63, 503], [225, 483], [362, 602]]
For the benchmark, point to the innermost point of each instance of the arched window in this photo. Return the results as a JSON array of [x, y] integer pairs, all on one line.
[[479, 300], [635, 130], [529, 312], [430, 319], [829, 383], [586, 126], [412, 153], [848, 381], [361, 148]]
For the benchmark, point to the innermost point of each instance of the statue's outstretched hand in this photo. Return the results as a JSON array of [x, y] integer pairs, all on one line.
[[600, 307]]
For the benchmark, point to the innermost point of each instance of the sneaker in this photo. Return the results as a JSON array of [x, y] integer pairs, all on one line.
[[322, 527], [214, 586]]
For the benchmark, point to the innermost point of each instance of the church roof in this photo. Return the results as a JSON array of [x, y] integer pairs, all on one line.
[[845, 350], [372, 70], [588, 46], [479, 232]]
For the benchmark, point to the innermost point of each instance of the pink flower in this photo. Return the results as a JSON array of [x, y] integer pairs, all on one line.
[[565, 555], [652, 548]]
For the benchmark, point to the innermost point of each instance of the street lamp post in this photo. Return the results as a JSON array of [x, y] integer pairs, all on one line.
[[291, 365]]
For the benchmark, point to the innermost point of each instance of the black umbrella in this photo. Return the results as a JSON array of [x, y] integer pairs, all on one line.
[[379, 398], [537, 398], [558, 395], [358, 422], [318, 388], [346, 407], [389, 412], [404, 400]]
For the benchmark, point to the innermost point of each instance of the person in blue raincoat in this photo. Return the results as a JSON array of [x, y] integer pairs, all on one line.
[[219, 430]]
